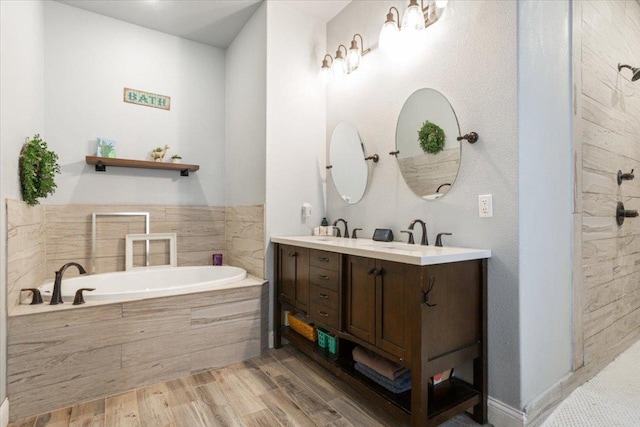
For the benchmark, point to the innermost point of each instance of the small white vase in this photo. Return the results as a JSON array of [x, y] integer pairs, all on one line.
[[176, 160]]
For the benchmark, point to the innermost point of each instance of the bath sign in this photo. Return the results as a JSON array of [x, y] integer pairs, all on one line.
[[147, 99]]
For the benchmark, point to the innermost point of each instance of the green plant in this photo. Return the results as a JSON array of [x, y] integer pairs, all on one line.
[[158, 150], [38, 167], [431, 138], [176, 156]]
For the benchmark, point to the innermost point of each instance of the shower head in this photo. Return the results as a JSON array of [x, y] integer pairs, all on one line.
[[634, 70]]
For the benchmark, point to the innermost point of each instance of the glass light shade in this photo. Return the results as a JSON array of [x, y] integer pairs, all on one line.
[[441, 3], [389, 36], [413, 19], [325, 75], [353, 60], [338, 66]]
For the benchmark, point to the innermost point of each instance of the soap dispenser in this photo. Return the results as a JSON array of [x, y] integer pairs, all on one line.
[[324, 222]]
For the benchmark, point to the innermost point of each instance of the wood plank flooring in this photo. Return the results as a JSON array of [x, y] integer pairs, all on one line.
[[280, 388]]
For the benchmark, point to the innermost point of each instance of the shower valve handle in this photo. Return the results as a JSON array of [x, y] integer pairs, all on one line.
[[625, 176]]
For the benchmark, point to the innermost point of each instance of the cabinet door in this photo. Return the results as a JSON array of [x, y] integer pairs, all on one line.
[[392, 310], [293, 271], [361, 285]]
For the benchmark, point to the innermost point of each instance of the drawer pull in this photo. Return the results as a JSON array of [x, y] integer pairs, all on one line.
[[323, 314], [425, 295], [292, 254], [323, 277], [375, 272], [323, 259], [323, 296]]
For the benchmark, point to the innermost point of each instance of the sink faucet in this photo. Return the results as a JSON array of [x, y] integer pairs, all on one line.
[[424, 241], [56, 298], [346, 229]]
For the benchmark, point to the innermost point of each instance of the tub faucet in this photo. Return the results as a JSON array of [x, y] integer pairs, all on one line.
[[56, 298], [424, 241], [346, 229]]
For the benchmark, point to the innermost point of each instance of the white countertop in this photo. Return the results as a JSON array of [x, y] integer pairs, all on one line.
[[389, 251]]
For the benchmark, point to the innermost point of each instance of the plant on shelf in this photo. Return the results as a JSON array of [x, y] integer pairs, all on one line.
[[176, 158], [431, 138], [38, 167], [158, 153]]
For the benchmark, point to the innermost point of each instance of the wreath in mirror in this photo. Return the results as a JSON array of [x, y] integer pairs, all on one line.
[[38, 167], [431, 138]]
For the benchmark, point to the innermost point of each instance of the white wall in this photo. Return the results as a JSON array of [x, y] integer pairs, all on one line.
[[89, 59], [245, 112], [21, 115], [296, 123], [470, 57], [546, 259]]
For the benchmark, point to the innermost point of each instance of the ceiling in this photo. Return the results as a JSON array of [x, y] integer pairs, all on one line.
[[213, 22]]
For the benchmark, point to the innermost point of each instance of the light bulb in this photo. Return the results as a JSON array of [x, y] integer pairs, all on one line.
[[389, 36], [325, 75], [413, 19], [353, 57], [338, 66], [441, 4]]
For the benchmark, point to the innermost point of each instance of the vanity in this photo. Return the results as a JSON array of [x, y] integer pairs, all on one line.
[[422, 307]]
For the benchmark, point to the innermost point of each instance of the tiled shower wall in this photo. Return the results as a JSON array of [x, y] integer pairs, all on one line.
[[44, 237], [608, 136]]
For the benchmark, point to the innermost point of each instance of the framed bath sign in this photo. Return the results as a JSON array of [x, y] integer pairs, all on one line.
[[147, 99]]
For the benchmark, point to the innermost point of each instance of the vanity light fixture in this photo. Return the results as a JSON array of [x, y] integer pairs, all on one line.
[[355, 53], [338, 66], [325, 70], [390, 31], [417, 17]]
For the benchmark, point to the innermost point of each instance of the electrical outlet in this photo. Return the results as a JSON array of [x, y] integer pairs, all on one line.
[[485, 206]]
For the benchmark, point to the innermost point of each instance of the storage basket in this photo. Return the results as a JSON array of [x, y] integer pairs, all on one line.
[[303, 328], [328, 341]]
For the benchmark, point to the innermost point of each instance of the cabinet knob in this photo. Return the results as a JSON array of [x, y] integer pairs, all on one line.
[[323, 277], [323, 259], [323, 296], [293, 254], [323, 313], [375, 271]]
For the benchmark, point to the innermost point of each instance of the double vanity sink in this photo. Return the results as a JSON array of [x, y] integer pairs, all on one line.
[[421, 307], [414, 254]]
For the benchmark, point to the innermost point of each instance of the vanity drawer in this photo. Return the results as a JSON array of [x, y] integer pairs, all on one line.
[[324, 296], [324, 315], [324, 259], [323, 277]]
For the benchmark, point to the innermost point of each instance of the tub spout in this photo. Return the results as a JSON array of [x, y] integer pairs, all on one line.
[[56, 298]]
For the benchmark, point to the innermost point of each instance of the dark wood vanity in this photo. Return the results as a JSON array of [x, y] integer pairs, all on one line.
[[428, 318]]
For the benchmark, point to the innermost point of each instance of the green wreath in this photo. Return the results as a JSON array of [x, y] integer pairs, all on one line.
[[38, 167], [431, 138]]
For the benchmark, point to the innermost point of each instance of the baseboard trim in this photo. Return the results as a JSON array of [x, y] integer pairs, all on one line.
[[503, 415], [4, 413]]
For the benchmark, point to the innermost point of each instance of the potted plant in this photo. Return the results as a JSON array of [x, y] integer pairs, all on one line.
[[176, 158], [158, 153], [38, 167]]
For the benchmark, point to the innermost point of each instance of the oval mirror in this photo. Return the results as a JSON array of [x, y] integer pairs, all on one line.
[[348, 166], [428, 164]]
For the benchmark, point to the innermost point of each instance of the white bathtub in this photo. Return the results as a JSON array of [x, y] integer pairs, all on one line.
[[146, 283]]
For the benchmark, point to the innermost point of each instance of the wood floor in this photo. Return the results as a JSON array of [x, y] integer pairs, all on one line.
[[280, 388]]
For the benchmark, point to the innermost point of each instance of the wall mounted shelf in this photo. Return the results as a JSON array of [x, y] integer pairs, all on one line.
[[101, 164]]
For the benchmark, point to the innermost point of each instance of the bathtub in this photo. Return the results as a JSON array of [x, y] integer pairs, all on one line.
[[148, 283]]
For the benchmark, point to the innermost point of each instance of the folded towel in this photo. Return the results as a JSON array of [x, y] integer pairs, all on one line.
[[378, 363], [399, 385]]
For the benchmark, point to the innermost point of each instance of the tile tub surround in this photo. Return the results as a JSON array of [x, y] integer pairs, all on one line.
[[62, 357], [44, 237]]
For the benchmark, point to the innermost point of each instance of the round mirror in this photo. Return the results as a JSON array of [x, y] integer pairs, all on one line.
[[427, 145], [348, 166]]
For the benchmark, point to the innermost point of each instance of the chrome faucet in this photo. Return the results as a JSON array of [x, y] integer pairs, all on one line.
[[56, 298], [346, 229], [424, 241]]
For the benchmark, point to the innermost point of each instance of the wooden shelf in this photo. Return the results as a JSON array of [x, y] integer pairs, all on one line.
[[101, 164]]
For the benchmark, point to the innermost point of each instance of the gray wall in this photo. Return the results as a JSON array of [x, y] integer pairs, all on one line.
[[545, 188], [21, 115], [470, 57], [245, 112]]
